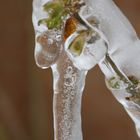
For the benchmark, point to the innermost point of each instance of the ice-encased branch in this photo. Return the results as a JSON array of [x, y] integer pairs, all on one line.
[[68, 80], [121, 64], [124, 48], [68, 87]]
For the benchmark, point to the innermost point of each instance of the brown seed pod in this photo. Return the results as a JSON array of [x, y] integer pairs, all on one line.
[[70, 27]]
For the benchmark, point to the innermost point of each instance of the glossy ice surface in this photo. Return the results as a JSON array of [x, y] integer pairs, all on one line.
[[113, 34]]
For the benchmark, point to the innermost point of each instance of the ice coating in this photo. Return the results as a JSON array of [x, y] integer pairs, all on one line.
[[124, 49], [68, 81], [113, 23], [48, 44], [68, 87], [92, 53], [48, 48], [38, 14], [116, 37], [96, 44]]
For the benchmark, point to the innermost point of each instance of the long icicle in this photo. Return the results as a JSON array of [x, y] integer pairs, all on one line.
[[68, 87]]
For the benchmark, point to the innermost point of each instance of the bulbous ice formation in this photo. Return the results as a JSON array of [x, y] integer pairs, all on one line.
[[48, 48], [92, 53], [93, 43]]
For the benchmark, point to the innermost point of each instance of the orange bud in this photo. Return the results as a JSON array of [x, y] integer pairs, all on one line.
[[70, 27]]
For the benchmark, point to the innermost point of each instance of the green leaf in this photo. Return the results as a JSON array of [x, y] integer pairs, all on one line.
[[77, 44], [55, 11], [53, 23]]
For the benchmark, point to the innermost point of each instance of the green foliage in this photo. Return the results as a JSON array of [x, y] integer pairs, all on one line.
[[56, 12], [77, 44]]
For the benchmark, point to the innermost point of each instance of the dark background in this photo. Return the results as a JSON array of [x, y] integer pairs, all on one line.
[[26, 91]]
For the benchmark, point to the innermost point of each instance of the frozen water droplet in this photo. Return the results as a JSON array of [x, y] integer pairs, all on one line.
[[47, 49]]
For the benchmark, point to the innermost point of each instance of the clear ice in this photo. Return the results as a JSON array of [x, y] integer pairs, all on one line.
[[68, 81], [124, 48], [91, 54], [112, 34]]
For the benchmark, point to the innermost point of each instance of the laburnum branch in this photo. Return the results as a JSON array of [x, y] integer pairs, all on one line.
[[60, 47]]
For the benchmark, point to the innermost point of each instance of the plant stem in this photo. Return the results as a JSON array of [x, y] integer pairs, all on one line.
[[119, 73]]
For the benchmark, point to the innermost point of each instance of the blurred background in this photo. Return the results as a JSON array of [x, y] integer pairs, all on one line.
[[26, 91]]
